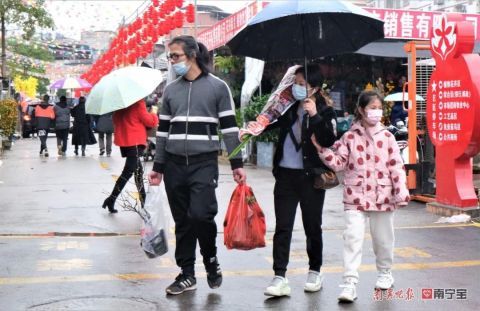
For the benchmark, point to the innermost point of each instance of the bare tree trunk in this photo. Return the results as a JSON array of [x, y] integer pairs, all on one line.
[[4, 54]]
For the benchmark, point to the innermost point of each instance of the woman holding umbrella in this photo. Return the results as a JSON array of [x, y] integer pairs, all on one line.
[[131, 136], [294, 166], [122, 92]]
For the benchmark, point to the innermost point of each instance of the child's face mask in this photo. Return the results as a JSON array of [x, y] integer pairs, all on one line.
[[373, 116]]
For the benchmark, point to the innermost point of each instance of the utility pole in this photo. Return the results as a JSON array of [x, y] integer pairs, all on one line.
[[4, 53]]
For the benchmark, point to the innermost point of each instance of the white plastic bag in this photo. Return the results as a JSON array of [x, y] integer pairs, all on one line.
[[454, 219], [154, 240]]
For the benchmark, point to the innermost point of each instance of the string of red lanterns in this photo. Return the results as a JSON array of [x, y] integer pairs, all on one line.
[[138, 38]]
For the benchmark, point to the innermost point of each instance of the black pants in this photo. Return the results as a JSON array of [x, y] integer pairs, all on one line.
[[62, 138], [84, 146], [43, 134], [191, 194], [292, 187], [133, 166]]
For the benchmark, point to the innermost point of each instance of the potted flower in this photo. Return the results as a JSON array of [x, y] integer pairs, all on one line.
[[8, 119]]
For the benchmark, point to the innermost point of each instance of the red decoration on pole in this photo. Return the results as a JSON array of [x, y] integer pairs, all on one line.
[[179, 3], [155, 3]]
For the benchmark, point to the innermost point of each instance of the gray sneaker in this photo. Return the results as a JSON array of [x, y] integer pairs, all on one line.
[[314, 281], [278, 287]]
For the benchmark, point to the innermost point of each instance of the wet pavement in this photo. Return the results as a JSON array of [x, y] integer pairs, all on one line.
[[61, 251]]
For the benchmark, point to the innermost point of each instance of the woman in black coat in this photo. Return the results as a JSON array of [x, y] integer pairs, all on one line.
[[295, 165], [82, 132]]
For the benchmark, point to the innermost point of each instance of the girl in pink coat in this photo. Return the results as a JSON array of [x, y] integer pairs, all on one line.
[[374, 186]]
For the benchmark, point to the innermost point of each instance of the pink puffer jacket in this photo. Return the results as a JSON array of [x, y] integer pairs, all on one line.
[[375, 178]]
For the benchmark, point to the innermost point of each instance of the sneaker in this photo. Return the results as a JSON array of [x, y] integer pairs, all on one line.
[[46, 153], [349, 293], [102, 152], [59, 150], [384, 280], [278, 287], [182, 283], [214, 273], [109, 154], [314, 281]]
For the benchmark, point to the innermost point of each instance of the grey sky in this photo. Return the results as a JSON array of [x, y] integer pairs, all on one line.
[[73, 16]]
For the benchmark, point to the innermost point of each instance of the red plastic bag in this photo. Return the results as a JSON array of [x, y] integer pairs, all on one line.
[[244, 225]]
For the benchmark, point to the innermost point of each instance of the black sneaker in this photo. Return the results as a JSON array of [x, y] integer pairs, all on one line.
[[182, 283], [214, 273]]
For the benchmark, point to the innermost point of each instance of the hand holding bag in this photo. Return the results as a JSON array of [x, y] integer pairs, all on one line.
[[325, 179]]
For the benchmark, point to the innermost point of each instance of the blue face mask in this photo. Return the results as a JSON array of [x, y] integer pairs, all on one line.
[[299, 92], [181, 68]]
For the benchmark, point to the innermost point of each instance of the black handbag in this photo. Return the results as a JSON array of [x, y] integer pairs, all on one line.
[[324, 178]]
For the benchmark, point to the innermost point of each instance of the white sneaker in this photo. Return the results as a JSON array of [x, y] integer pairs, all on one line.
[[314, 281], [278, 287], [349, 293], [384, 280]]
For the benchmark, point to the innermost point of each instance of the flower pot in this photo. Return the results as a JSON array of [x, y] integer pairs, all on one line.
[[265, 152], [6, 144]]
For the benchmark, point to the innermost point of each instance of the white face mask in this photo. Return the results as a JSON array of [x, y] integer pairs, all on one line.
[[373, 116]]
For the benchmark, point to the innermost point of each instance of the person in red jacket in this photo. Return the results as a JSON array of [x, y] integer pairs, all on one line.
[[130, 126]]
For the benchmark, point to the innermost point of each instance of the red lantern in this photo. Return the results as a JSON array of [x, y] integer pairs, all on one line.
[[132, 58], [179, 19], [190, 13], [145, 19], [163, 11], [170, 4], [155, 3], [179, 3], [154, 16], [172, 23]]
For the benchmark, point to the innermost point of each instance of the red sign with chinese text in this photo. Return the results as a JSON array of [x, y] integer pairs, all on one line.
[[220, 33], [453, 109], [415, 25]]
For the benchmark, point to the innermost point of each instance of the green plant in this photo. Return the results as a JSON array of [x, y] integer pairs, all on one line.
[[251, 112], [8, 117]]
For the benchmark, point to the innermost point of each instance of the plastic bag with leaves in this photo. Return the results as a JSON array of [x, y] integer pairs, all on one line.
[[154, 240]]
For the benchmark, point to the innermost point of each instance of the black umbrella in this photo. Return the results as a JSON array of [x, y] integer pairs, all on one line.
[[288, 30]]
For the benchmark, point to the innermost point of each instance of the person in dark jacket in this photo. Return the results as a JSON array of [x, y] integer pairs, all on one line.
[[62, 124], [82, 132], [44, 116], [399, 113], [131, 136], [104, 125], [294, 168], [194, 107]]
